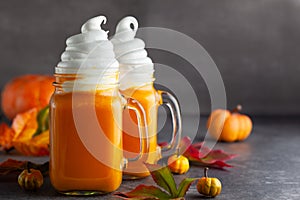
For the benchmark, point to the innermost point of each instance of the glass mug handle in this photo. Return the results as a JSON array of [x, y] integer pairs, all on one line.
[[170, 101], [133, 104]]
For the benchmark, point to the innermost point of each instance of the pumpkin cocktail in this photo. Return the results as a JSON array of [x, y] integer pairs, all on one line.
[[136, 81], [86, 116]]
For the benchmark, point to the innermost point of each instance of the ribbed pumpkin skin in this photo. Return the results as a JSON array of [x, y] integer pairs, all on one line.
[[227, 126], [210, 187], [178, 164], [32, 180], [25, 92]]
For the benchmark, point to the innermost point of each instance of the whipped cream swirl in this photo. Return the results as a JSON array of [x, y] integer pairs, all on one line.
[[90, 56], [136, 68]]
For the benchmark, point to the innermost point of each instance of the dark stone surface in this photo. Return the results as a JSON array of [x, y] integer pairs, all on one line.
[[267, 167]]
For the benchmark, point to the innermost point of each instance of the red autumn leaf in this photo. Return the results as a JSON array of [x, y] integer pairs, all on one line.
[[184, 186], [200, 154], [12, 166], [163, 177], [162, 144], [167, 187], [217, 155], [145, 192], [198, 150]]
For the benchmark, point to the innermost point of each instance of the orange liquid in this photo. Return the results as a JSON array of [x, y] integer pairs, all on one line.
[[149, 99], [72, 166]]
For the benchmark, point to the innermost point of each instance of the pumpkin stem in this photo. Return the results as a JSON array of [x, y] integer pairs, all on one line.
[[29, 165], [205, 172], [237, 109]]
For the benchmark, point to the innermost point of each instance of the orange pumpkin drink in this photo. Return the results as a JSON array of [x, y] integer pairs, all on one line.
[[136, 81], [86, 155], [149, 99], [73, 167]]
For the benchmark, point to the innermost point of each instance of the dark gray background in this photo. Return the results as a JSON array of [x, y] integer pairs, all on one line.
[[255, 44]]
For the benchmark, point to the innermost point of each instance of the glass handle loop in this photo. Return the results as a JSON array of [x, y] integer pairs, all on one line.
[[172, 104], [133, 104]]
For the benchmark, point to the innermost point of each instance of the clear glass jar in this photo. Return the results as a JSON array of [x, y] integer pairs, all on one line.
[[86, 151], [142, 89]]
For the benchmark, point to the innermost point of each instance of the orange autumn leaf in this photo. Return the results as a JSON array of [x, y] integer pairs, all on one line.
[[22, 135], [36, 146], [40, 144], [25, 125], [6, 136]]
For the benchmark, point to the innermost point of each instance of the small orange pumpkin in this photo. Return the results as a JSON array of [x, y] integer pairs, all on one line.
[[227, 126], [178, 164], [26, 92]]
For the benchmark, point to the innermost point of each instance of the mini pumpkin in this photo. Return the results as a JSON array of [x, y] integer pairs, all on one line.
[[25, 92], [178, 164], [210, 187], [227, 126], [30, 179]]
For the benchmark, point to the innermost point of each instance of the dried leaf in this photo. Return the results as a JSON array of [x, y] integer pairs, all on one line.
[[217, 155], [164, 178], [43, 121], [36, 146], [145, 192], [6, 136], [12, 166], [202, 155], [184, 186], [186, 145], [25, 125]]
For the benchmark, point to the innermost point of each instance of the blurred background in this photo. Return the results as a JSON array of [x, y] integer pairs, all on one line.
[[255, 44]]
